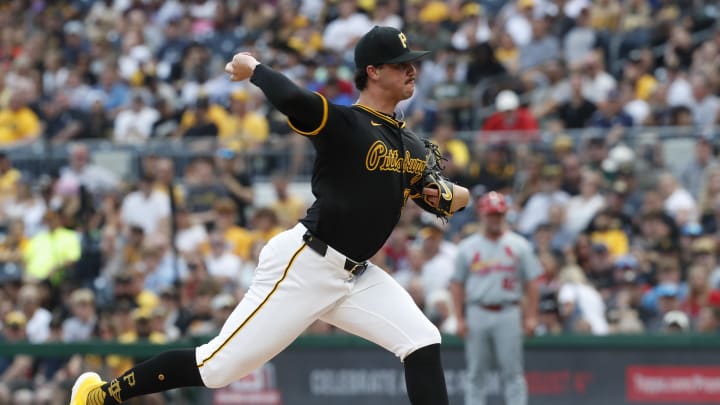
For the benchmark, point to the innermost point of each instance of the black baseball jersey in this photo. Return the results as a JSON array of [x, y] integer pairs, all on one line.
[[365, 164]]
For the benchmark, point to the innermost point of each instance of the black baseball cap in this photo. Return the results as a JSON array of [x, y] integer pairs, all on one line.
[[383, 45]]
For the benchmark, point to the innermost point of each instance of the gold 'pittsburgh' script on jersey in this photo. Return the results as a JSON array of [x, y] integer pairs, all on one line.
[[379, 157]]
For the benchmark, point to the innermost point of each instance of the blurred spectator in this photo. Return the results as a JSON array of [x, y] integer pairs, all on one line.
[[473, 28], [597, 82], [542, 48], [449, 99], [38, 318], [610, 113], [224, 221], [63, 122], [581, 306], [675, 322], [236, 178], [80, 326], [94, 177], [705, 105], [577, 110], [51, 253], [536, 210], [134, 125], [264, 225], [510, 116], [147, 208], [222, 264], [19, 124], [15, 371], [203, 189], [245, 129], [606, 230], [439, 260], [343, 32], [581, 39], [700, 175], [678, 202], [452, 149], [549, 322], [667, 301], [518, 21], [582, 208], [201, 121], [494, 170], [288, 207], [189, 236]]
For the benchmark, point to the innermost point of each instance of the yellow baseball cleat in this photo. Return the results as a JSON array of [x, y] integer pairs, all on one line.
[[82, 388]]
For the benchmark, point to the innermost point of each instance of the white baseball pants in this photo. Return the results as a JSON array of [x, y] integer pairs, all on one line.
[[293, 286]]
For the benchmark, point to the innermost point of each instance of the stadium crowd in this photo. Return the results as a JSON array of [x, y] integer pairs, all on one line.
[[628, 241]]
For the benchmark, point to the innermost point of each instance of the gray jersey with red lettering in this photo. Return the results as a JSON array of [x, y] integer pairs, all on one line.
[[494, 271]]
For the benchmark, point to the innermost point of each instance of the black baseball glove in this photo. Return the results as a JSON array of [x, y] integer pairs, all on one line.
[[433, 178]]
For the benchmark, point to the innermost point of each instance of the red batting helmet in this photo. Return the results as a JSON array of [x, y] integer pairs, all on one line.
[[493, 203]]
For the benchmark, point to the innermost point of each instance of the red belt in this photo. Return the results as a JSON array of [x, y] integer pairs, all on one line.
[[498, 307]]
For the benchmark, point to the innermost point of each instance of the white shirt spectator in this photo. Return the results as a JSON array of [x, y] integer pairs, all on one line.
[[225, 266], [145, 211], [190, 239], [437, 271], [31, 212], [580, 211], [680, 204], [705, 112], [588, 302], [596, 89], [135, 126], [680, 93], [341, 33], [537, 210], [96, 178], [519, 29], [481, 33], [38, 327]]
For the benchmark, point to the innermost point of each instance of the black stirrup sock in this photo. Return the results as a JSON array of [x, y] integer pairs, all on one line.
[[424, 377], [168, 370]]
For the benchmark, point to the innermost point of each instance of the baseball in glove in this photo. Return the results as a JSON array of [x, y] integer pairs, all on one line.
[[432, 178]]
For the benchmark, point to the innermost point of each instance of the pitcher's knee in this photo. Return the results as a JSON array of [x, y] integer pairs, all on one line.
[[216, 378], [429, 336]]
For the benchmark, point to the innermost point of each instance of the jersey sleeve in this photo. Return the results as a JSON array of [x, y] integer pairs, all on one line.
[[529, 264], [307, 111]]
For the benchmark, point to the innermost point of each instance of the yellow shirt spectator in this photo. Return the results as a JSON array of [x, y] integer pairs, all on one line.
[[8, 181], [18, 125], [644, 87], [289, 211], [216, 113], [240, 240], [614, 239], [459, 152], [243, 132]]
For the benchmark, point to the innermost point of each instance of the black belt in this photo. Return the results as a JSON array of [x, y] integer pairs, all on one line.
[[320, 247]]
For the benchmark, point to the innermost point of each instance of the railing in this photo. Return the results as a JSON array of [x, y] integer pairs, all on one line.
[[339, 342], [42, 158]]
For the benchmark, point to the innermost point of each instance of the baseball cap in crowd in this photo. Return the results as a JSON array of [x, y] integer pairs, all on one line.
[[668, 290], [507, 100], [493, 203], [691, 229], [15, 318], [705, 245], [677, 319], [384, 45], [626, 262]]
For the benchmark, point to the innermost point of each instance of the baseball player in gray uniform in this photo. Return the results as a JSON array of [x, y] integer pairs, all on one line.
[[494, 270]]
